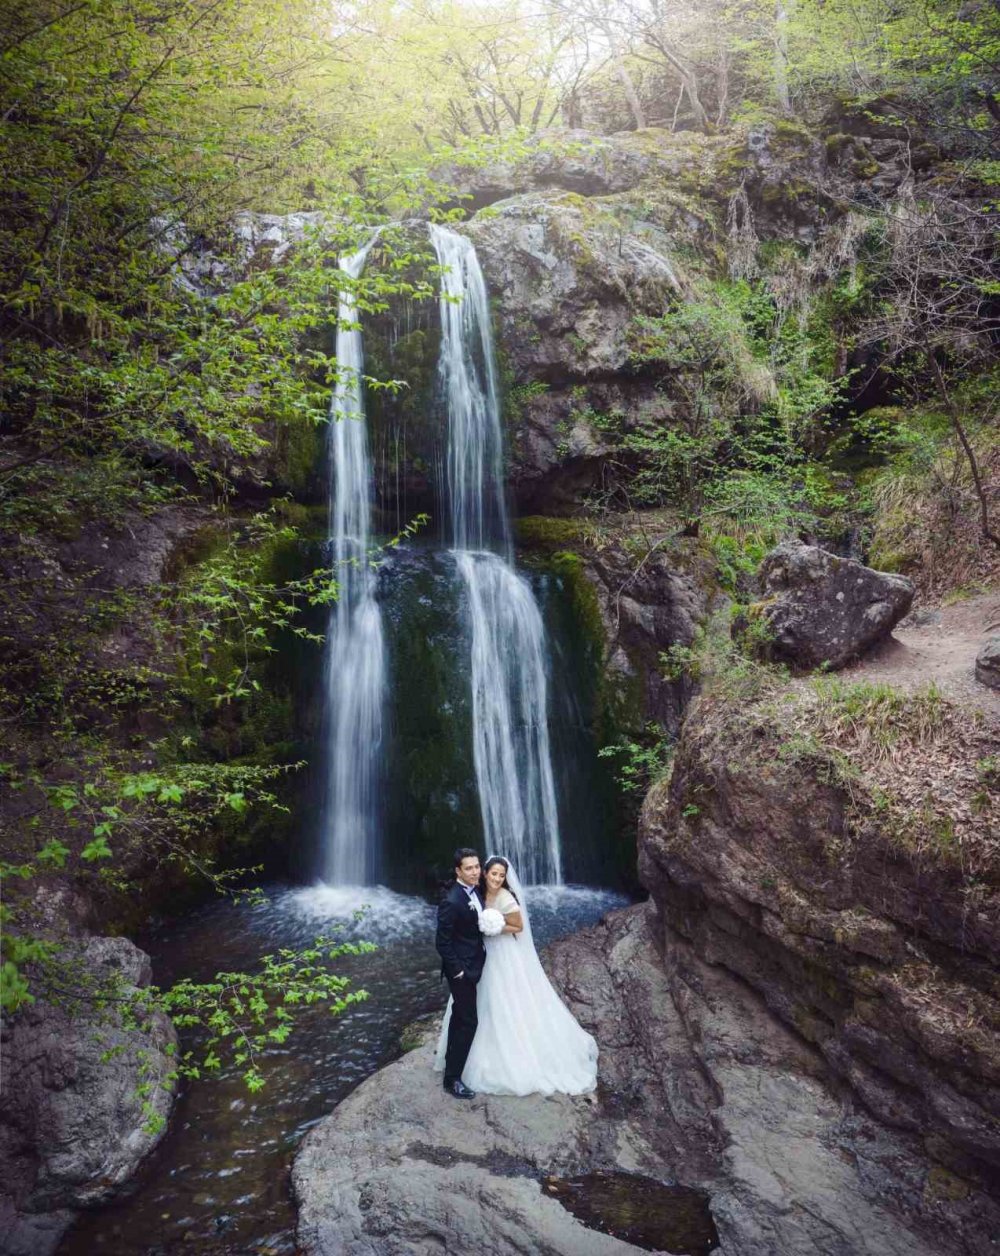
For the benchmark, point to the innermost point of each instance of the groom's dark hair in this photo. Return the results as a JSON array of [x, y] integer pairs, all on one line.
[[464, 852]]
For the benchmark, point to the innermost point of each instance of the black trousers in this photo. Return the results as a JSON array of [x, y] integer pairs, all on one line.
[[462, 1029]]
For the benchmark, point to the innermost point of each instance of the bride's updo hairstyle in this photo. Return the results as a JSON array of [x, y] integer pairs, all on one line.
[[490, 863]]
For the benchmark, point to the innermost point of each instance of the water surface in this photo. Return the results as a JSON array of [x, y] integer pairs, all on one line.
[[220, 1180]]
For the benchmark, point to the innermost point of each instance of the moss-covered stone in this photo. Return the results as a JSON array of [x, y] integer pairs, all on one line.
[[547, 531], [296, 458]]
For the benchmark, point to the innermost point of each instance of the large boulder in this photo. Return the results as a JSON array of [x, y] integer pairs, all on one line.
[[698, 1085], [820, 610], [988, 663], [568, 279], [84, 1100]]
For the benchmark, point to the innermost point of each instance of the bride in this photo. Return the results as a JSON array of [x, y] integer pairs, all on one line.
[[527, 1042]]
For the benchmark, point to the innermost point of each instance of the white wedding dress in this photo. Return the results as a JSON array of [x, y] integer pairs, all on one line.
[[527, 1042]]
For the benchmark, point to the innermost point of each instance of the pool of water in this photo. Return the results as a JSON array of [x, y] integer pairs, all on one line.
[[219, 1182], [656, 1216]]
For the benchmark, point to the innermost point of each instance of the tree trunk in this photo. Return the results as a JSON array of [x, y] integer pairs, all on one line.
[[780, 60], [631, 95], [956, 421]]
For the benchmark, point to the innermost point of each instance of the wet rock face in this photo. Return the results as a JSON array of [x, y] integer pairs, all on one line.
[[568, 279], [648, 604], [698, 1085], [870, 944], [988, 663], [819, 609], [73, 1125]]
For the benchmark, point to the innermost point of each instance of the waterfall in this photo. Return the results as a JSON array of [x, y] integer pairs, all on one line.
[[355, 655], [517, 794], [509, 671], [467, 371]]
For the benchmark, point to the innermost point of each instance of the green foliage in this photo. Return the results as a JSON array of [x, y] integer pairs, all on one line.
[[134, 135], [116, 822], [754, 385], [877, 717], [157, 816], [681, 661], [233, 606], [640, 762], [920, 490], [727, 669], [241, 1015], [234, 1019]]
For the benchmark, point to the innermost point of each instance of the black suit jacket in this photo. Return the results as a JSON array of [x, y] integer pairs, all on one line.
[[459, 941]]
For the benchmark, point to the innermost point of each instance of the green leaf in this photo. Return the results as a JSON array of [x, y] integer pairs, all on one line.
[[97, 849]]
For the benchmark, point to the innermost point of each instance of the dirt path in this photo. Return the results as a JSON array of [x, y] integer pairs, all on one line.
[[938, 645]]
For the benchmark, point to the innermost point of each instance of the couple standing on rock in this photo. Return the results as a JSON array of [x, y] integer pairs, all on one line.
[[506, 1031]]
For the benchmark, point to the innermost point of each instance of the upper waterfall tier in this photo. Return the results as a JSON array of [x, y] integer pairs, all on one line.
[[467, 374]]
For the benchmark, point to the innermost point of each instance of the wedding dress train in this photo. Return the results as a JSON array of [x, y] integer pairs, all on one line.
[[527, 1041]]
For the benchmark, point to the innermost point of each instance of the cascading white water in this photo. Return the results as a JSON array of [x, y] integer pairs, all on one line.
[[513, 763], [355, 654], [509, 662], [467, 370]]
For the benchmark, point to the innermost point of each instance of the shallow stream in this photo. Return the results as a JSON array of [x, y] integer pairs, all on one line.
[[220, 1180]]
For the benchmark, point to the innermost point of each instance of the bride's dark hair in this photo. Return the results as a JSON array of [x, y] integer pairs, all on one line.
[[497, 859]]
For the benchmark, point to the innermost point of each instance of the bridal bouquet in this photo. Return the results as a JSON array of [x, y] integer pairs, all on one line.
[[491, 922]]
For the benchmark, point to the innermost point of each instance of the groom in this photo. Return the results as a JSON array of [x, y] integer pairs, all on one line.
[[460, 945]]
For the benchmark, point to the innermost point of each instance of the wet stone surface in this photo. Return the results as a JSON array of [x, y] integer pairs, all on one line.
[[639, 1210]]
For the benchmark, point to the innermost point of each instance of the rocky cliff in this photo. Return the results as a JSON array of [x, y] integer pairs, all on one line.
[[586, 237], [835, 846], [800, 1027]]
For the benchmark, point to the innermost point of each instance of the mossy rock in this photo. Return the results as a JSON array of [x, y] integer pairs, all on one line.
[[837, 143], [548, 532], [864, 168], [942, 1184], [790, 132], [297, 458]]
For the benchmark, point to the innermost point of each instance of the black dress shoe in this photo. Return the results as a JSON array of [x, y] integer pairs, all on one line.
[[455, 1086]]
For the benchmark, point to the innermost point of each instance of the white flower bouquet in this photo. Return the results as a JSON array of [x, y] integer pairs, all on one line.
[[491, 922]]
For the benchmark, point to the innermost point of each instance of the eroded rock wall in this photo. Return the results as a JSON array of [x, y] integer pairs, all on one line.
[[871, 929]]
